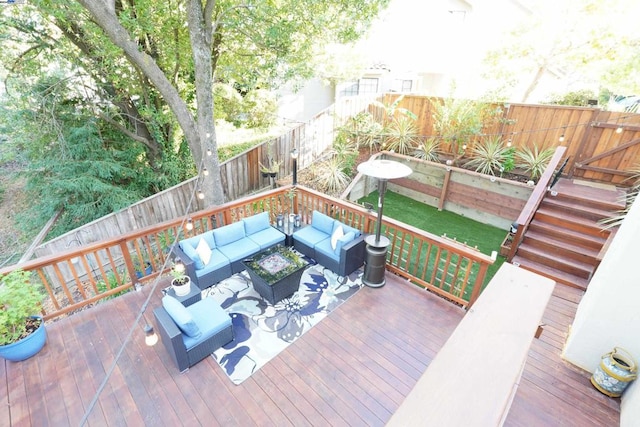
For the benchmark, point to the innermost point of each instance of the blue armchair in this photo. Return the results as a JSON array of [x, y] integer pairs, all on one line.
[[192, 333]]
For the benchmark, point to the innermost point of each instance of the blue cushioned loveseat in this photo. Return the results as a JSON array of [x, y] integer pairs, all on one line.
[[228, 246], [331, 243]]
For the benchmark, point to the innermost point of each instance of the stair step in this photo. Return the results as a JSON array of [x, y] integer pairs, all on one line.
[[608, 197], [573, 207], [555, 261], [575, 223], [565, 234], [561, 247], [559, 276]]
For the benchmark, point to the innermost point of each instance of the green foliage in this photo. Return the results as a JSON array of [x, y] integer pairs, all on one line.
[[19, 299], [111, 283], [401, 135], [346, 153], [362, 130], [488, 155], [578, 98], [534, 161], [428, 149], [508, 160], [458, 120], [630, 198], [331, 176]]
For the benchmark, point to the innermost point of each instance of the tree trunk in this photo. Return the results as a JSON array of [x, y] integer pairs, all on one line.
[[196, 134]]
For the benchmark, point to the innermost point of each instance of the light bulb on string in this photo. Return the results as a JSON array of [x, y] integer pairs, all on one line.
[[619, 129], [561, 139], [200, 194], [209, 151], [150, 337], [189, 224], [205, 171]]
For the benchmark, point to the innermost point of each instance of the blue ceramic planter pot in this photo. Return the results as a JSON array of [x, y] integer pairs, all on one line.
[[26, 347]]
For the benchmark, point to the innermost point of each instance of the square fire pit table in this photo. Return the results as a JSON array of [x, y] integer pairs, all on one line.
[[276, 272]]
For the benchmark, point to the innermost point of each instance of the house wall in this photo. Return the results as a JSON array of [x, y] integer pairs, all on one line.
[[609, 314]]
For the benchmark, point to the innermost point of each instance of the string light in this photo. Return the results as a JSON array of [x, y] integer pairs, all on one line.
[[561, 139], [619, 129], [209, 151], [205, 172], [189, 225], [200, 194]]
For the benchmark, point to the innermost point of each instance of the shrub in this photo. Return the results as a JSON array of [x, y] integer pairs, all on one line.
[[401, 135], [488, 155], [428, 149], [534, 161], [19, 299]]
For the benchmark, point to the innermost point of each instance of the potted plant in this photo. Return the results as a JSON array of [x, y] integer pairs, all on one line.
[[143, 269], [181, 283], [22, 330], [271, 170]]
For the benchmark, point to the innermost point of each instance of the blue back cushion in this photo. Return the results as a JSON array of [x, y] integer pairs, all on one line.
[[322, 222], [256, 223], [229, 233], [345, 229], [190, 251], [348, 237], [181, 316]]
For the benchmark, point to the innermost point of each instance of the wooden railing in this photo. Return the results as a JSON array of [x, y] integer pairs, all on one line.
[[540, 190], [75, 279]]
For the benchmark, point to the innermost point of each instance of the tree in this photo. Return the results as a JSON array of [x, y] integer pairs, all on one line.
[[584, 41], [253, 43]]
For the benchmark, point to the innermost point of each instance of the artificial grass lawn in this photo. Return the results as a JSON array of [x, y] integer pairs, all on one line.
[[486, 237]]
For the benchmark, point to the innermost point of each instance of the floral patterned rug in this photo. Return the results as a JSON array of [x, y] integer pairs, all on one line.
[[263, 330]]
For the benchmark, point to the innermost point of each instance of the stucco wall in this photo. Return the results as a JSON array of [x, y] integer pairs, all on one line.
[[609, 314]]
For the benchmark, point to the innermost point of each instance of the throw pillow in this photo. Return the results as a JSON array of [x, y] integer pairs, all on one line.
[[204, 251], [181, 316], [348, 237], [337, 233]]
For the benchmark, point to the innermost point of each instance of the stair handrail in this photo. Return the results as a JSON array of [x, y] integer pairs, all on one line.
[[536, 197]]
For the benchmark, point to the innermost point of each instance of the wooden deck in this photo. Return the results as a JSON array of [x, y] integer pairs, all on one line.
[[354, 368]]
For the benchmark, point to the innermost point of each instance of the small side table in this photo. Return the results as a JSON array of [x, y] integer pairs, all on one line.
[[288, 231], [194, 295]]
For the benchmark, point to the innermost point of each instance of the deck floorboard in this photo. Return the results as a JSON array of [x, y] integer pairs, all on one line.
[[353, 368]]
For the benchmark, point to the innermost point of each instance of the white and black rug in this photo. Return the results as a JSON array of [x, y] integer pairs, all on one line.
[[263, 330]]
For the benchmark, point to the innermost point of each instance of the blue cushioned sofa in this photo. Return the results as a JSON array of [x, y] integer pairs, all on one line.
[[229, 246], [342, 256]]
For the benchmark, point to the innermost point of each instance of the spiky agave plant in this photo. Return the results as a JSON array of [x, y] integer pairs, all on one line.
[[488, 155], [534, 161], [630, 198], [428, 149]]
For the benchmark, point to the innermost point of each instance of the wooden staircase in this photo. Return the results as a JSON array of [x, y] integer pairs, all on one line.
[[564, 239]]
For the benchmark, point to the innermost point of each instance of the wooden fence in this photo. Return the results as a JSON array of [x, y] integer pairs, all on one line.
[[78, 277], [601, 145], [240, 176]]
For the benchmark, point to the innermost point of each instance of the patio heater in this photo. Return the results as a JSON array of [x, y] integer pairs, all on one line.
[[377, 245], [294, 157]]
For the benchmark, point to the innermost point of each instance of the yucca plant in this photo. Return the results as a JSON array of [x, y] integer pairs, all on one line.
[[534, 161], [428, 149], [630, 198], [330, 176], [363, 130], [488, 155], [401, 135]]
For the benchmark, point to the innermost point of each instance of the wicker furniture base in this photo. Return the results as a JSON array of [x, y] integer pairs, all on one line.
[[274, 290]]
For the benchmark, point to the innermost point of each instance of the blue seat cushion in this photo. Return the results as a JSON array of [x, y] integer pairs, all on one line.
[[240, 249], [322, 222], [267, 237], [181, 317], [229, 234], [209, 317], [310, 236], [256, 223], [324, 247], [218, 260]]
